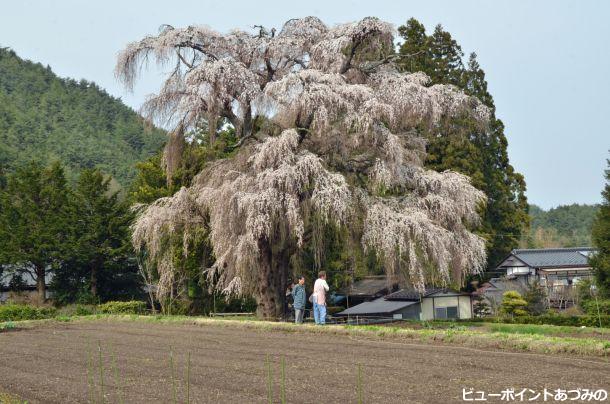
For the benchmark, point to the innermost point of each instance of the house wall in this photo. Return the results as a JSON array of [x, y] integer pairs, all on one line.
[[410, 312], [427, 309], [521, 270], [22, 297], [465, 307], [429, 304]]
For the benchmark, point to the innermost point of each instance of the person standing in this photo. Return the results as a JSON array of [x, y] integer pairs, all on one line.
[[320, 288], [299, 299]]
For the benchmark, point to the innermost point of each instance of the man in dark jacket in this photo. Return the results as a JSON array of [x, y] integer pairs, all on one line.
[[299, 297]]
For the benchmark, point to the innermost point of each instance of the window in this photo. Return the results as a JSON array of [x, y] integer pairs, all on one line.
[[446, 312]]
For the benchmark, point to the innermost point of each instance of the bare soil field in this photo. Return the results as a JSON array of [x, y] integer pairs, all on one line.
[[59, 363]]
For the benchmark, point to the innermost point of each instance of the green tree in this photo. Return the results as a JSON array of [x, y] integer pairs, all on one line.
[[480, 154], [480, 307], [35, 226], [535, 296], [101, 264], [513, 304], [415, 51], [446, 55], [601, 240]]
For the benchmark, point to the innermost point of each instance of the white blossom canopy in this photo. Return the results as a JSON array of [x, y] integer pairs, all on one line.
[[344, 146]]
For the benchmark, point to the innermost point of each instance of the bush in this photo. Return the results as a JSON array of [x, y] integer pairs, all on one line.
[[82, 310], [591, 307], [513, 304], [131, 307], [557, 319], [77, 310], [17, 312], [535, 296]]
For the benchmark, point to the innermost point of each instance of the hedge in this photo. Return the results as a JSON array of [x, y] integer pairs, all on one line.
[[550, 319], [17, 312], [131, 307]]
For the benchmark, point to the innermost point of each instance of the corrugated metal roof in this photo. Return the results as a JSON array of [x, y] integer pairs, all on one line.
[[554, 257], [411, 294], [378, 306], [369, 286]]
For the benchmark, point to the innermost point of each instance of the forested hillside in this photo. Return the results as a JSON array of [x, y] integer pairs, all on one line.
[[563, 226], [46, 118]]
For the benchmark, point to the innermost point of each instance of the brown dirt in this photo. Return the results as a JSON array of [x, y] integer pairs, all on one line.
[[50, 364]]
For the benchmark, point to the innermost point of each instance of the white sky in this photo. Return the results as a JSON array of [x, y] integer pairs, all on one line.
[[547, 63]]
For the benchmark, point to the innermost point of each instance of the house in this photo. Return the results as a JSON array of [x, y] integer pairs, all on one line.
[[434, 303], [556, 269], [20, 287], [368, 288]]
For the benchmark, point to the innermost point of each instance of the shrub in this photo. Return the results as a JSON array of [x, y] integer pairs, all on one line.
[[17, 312], [591, 307], [557, 319], [480, 307], [513, 304], [77, 310], [131, 307], [535, 296], [82, 310]]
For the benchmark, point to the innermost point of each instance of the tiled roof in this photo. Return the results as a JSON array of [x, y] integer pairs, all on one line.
[[554, 257], [378, 306]]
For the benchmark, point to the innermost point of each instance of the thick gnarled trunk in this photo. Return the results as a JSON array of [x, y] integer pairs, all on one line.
[[272, 282]]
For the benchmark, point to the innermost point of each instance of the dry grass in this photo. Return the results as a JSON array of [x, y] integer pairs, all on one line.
[[535, 343], [481, 338]]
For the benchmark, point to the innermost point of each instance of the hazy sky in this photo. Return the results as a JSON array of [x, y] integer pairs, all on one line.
[[547, 63]]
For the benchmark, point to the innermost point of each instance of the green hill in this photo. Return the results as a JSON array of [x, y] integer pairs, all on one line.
[[563, 226], [46, 118]]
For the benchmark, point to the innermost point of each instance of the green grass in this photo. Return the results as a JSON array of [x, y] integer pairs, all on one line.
[[533, 329], [6, 398]]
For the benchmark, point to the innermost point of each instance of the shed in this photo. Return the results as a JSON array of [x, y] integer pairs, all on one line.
[[434, 303], [384, 308]]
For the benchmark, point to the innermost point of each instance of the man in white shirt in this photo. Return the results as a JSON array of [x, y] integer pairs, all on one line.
[[320, 288]]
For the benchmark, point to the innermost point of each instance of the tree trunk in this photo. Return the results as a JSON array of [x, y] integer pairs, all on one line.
[[93, 281], [271, 292], [41, 286]]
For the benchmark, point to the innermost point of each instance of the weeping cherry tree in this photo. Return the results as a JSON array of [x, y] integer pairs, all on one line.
[[327, 133]]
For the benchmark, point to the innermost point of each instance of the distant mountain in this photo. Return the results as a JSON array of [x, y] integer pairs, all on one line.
[[44, 117], [563, 226]]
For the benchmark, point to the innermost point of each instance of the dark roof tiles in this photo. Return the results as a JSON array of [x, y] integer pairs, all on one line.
[[554, 257]]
